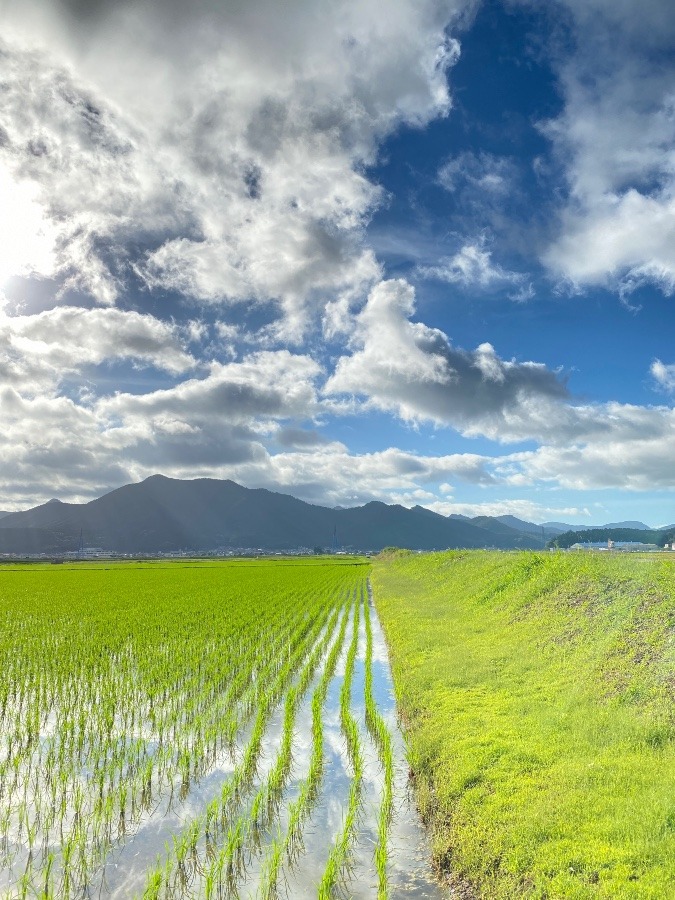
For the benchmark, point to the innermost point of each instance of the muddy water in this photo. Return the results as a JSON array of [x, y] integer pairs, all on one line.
[[408, 871]]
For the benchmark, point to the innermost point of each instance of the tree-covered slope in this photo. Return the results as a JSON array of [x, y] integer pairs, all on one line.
[[609, 532]]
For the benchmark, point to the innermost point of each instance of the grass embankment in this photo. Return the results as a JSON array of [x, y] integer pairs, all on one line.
[[537, 693]]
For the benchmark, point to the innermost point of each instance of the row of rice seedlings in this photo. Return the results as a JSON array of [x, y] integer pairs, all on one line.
[[267, 799], [76, 848], [237, 787], [382, 739], [101, 769], [99, 821], [182, 862], [339, 854], [288, 846], [221, 810], [218, 824]]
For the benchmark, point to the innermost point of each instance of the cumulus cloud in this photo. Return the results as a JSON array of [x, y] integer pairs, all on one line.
[[333, 476], [268, 384], [252, 421], [38, 351], [625, 240], [614, 140], [627, 459], [200, 425], [236, 172], [413, 370], [72, 335]]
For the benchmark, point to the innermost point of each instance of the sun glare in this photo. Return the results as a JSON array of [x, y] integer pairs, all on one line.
[[26, 237]]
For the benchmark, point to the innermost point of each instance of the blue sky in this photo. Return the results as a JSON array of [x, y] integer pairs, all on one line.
[[426, 257]]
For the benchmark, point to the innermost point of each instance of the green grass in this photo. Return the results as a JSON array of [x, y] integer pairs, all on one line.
[[537, 696]]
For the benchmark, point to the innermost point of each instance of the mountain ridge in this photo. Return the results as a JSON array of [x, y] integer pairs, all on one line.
[[162, 514]]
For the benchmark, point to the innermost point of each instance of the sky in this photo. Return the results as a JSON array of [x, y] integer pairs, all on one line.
[[420, 252]]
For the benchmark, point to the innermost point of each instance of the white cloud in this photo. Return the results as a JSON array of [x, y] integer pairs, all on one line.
[[38, 351], [332, 475], [232, 422], [629, 461], [236, 172], [483, 171], [270, 385], [663, 374], [412, 370], [624, 240], [26, 245], [527, 510], [614, 140], [472, 267], [204, 426]]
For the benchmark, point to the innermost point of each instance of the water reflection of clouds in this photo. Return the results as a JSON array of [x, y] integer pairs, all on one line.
[[408, 865]]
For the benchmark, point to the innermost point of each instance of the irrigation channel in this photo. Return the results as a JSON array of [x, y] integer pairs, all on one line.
[[311, 799]]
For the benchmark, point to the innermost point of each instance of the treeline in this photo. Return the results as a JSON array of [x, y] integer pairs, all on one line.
[[592, 535]]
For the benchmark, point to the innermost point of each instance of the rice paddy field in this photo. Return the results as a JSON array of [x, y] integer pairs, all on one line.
[[537, 692], [200, 730], [229, 729]]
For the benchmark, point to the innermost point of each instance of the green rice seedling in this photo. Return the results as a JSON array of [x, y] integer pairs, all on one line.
[[382, 738], [48, 889], [119, 686], [24, 884], [339, 853], [153, 885], [300, 810]]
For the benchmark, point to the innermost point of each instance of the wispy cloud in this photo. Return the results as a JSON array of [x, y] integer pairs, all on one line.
[[484, 172], [473, 267]]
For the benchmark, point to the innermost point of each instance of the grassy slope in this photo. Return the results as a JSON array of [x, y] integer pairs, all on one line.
[[537, 692]]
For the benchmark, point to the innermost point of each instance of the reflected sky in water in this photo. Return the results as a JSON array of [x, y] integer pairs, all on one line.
[[409, 870]]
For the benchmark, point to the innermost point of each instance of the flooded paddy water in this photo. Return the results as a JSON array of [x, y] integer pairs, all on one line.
[[408, 866], [274, 811]]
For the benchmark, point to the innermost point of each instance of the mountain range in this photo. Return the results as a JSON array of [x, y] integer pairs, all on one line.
[[164, 514]]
